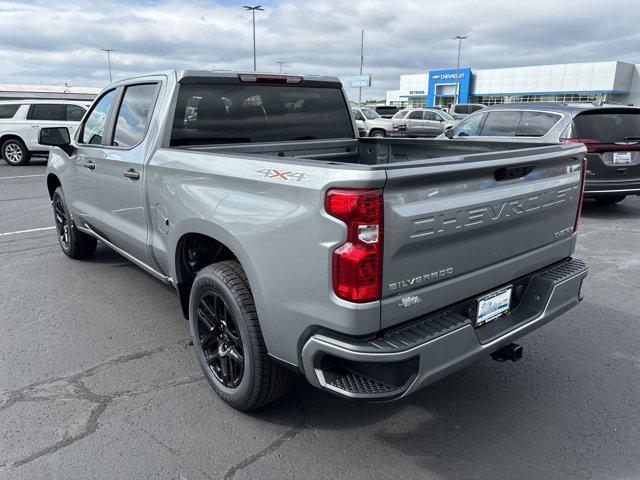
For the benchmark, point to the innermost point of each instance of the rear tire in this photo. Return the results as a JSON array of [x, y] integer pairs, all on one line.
[[74, 243], [228, 340], [15, 152], [610, 199]]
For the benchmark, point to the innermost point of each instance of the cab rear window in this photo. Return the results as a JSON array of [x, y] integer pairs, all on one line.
[[606, 126], [220, 114]]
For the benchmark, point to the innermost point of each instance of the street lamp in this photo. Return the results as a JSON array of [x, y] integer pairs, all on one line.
[[253, 13], [109, 50], [281, 63], [459, 38]]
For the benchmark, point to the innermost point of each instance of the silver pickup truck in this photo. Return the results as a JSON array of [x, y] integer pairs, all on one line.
[[372, 266]]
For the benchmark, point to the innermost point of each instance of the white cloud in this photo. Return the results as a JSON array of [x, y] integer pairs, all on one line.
[[57, 42]]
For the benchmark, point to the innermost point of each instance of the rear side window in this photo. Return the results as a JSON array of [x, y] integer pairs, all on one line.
[[432, 116], [461, 109], [47, 111], [134, 114], [607, 126], [475, 108], [501, 124], [94, 126], [8, 111], [74, 113], [536, 124], [469, 127], [248, 113]]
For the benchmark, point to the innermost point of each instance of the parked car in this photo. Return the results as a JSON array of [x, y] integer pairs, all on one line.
[[611, 134], [265, 212], [362, 130], [386, 111], [21, 120], [422, 122], [463, 110], [374, 124]]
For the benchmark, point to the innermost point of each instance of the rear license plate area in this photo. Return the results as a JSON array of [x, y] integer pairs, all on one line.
[[493, 305], [622, 158]]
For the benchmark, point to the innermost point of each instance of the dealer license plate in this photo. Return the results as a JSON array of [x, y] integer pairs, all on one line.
[[621, 158], [493, 305]]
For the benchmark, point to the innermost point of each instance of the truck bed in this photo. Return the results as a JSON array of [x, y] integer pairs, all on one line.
[[381, 151]]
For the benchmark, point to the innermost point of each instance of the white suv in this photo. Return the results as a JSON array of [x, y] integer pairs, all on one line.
[[21, 120]]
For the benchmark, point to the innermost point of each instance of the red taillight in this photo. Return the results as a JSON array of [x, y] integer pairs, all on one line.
[[357, 263], [583, 179], [590, 143]]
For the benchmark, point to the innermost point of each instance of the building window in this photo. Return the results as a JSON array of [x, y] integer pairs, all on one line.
[[585, 97]]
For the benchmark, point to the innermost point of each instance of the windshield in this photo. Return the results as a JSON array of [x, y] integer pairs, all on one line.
[[401, 114], [370, 114], [249, 113], [446, 116], [607, 126]]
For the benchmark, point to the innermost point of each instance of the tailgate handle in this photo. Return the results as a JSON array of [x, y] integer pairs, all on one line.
[[510, 173]]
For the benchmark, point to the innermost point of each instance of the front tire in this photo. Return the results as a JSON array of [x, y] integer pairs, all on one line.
[[610, 199], [15, 152], [228, 340], [378, 134], [74, 243]]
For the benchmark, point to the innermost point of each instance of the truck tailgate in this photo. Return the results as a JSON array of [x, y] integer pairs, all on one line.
[[458, 227]]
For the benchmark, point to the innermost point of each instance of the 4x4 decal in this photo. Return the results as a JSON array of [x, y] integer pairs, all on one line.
[[272, 173]]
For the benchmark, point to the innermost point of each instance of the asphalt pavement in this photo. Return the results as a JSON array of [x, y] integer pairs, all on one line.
[[98, 380]]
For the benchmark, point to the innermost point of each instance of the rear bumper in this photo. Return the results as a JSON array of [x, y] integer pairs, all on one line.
[[405, 360], [603, 187]]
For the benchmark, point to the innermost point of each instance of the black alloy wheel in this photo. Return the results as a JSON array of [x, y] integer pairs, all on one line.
[[220, 340]]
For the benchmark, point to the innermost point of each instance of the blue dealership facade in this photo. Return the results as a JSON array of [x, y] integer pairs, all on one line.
[[612, 81]]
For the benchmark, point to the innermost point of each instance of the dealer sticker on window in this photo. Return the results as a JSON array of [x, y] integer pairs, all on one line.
[[493, 305]]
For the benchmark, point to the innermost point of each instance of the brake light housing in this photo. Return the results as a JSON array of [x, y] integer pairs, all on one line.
[[357, 263], [583, 179], [268, 78]]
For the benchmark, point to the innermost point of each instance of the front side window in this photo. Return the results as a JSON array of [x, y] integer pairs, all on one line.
[[134, 114], [475, 108], [501, 124], [8, 111], [401, 114], [94, 126], [74, 113], [469, 127], [536, 124], [415, 115], [47, 112], [432, 116], [250, 113]]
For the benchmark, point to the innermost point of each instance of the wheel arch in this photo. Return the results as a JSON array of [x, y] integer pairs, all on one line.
[[53, 182], [211, 244], [11, 136]]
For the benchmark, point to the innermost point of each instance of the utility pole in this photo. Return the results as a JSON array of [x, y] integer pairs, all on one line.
[[281, 64], [253, 14], [459, 38], [361, 65], [109, 50]]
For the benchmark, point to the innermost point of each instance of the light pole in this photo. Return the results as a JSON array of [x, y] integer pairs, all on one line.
[[361, 65], [281, 63], [109, 50], [253, 13], [459, 38]]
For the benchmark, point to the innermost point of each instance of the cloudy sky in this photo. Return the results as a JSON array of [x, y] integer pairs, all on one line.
[[58, 41]]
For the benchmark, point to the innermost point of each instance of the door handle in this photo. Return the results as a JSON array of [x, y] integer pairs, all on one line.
[[131, 174], [89, 164]]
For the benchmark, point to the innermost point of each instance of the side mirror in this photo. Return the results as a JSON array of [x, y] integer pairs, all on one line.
[[56, 137], [448, 132]]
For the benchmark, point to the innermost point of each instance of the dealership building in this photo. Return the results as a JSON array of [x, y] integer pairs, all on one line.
[[570, 82]]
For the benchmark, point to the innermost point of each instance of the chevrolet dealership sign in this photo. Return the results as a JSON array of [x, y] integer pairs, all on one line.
[[448, 76]]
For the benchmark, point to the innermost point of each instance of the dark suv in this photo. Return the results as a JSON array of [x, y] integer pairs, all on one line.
[[610, 133]]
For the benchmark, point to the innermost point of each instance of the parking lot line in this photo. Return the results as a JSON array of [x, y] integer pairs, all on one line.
[[24, 176], [26, 231]]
